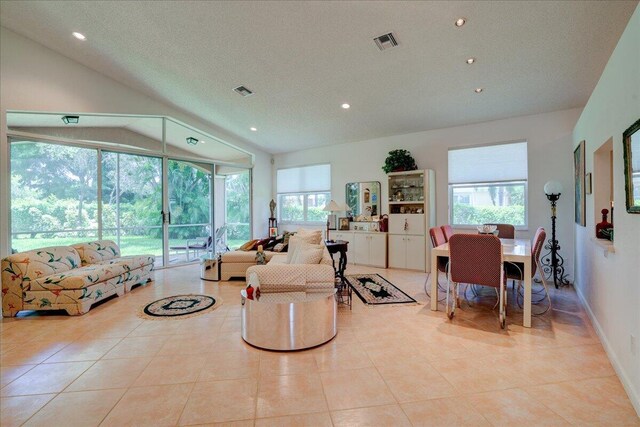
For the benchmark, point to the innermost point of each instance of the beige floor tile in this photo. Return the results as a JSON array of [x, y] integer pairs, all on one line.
[[10, 373], [83, 350], [136, 347], [83, 408], [290, 395], [597, 401], [230, 365], [14, 411], [278, 363], [355, 388], [514, 407], [46, 378], [446, 412], [221, 401], [150, 328], [341, 357], [188, 344], [107, 374], [154, 406], [171, 370], [419, 386], [388, 415], [321, 419], [31, 353]]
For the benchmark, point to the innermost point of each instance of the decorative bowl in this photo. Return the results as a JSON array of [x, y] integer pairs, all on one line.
[[486, 229]]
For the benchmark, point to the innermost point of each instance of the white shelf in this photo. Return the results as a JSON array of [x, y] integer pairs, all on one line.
[[607, 245], [408, 202]]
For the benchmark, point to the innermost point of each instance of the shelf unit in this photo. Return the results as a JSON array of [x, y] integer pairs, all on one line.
[[411, 214]]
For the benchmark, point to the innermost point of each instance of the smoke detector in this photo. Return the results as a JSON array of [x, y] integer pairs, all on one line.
[[243, 90], [386, 41]]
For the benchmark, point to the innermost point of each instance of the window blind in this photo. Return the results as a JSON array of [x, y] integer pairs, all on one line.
[[502, 162], [304, 179]]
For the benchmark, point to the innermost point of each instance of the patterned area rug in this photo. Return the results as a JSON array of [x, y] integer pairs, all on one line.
[[179, 306], [375, 289]]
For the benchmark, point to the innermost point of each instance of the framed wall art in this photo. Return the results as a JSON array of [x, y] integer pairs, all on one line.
[[578, 174]]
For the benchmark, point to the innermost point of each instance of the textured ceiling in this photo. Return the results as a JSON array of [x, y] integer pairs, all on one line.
[[304, 59]]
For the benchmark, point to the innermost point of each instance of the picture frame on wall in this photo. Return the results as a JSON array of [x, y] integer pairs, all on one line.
[[579, 185], [344, 223], [587, 183]]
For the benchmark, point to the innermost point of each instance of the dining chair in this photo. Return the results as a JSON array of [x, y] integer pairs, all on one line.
[[515, 271], [476, 259], [437, 239], [447, 231], [505, 231]]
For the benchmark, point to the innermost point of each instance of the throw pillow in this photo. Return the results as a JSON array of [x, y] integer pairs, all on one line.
[[262, 243], [279, 247], [287, 235], [308, 254], [248, 246], [295, 241], [316, 235]]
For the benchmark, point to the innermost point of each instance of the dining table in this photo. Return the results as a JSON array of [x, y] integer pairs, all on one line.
[[513, 250]]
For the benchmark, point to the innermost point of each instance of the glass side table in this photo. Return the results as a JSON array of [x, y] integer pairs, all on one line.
[[210, 267]]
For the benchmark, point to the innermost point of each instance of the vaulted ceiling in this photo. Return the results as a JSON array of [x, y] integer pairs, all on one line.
[[304, 59]]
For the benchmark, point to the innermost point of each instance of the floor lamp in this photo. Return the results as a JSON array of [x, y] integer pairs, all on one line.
[[331, 208], [552, 261]]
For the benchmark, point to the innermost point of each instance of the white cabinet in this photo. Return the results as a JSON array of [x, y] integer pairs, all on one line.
[[342, 235], [407, 252], [370, 249], [411, 214]]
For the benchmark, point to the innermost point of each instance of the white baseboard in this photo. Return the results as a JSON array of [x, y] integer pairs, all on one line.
[[624, 379]]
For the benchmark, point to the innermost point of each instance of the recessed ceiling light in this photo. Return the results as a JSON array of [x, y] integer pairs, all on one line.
[[78, 35], [471, 60], [203, 142], [479, 89], [346, 106], [460, 22], [253, 129]]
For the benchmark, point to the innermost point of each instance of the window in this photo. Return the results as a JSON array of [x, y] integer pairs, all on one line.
[[488, 185], [303, 193]]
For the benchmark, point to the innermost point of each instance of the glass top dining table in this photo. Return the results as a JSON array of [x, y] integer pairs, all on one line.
[[514, 250]]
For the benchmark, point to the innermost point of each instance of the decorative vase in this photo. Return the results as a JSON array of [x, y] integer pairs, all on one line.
[[601, 226]]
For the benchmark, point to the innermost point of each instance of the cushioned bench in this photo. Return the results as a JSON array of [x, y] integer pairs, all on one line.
[[70, 278]]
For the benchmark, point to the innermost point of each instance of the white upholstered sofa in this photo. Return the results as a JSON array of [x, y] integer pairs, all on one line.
[[70, 278]]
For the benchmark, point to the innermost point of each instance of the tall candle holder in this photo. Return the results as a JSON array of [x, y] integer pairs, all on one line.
[[552, 262]]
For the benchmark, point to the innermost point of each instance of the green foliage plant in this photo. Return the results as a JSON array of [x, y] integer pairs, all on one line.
[[399, 160]]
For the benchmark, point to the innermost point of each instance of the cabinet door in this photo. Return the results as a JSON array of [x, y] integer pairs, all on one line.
[[360, 250], [406, 224], [415, 224], [397, 251], [415, 252], [396, 223], [378, 250]]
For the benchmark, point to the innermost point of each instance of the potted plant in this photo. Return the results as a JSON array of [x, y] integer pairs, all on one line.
[[398, 161]]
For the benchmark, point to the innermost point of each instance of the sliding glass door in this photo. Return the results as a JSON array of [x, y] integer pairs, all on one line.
[[190, 208], [53, 195], [132, 202], [237, 204]]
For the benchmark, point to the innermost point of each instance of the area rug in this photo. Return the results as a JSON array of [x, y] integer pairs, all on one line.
[[179, 306], [375, 289]]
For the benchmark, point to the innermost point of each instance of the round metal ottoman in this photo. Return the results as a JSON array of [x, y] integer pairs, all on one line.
[[289, 320]]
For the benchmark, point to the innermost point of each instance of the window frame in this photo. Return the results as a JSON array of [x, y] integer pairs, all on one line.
[[305, 207], [525, 183]]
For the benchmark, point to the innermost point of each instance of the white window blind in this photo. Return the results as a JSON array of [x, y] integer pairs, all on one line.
[[493, 163], [316, 178]]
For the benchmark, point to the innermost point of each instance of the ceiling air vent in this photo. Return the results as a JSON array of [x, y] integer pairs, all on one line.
[[386, 41], [242, 90]]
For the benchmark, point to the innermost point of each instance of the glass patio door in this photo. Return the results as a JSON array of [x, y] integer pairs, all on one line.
[[131, 203], [189, 205]]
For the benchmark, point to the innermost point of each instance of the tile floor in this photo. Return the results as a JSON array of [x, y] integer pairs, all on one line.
[[388, 366]]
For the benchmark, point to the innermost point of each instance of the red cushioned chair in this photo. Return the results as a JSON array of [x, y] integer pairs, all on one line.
[[505, 231], [447, 231], [437, 239], [476, 259], [515, 271]]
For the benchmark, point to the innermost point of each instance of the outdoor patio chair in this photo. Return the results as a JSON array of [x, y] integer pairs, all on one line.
[[195, 245], [221, 245]]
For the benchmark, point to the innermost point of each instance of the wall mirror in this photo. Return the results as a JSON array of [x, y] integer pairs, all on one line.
[[363, 198], [631, 141]]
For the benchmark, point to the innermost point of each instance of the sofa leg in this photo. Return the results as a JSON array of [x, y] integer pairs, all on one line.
[[78, 309], [120, 292]]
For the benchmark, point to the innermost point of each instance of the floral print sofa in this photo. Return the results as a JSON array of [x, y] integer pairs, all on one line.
[[70, 278]]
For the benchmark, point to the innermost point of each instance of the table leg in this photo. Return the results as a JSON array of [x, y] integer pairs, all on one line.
[[434, 281], [527, 295]]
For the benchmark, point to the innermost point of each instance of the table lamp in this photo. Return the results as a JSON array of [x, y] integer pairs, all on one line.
[[331, 207]]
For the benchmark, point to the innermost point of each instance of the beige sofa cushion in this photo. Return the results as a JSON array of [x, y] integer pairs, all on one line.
[[100, 250], [242, 256], [78, 278], [307, 254], [313, 238]]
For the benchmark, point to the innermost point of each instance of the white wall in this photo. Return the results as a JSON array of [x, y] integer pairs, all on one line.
[[35, 78], [549, 151], [610, 285]]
